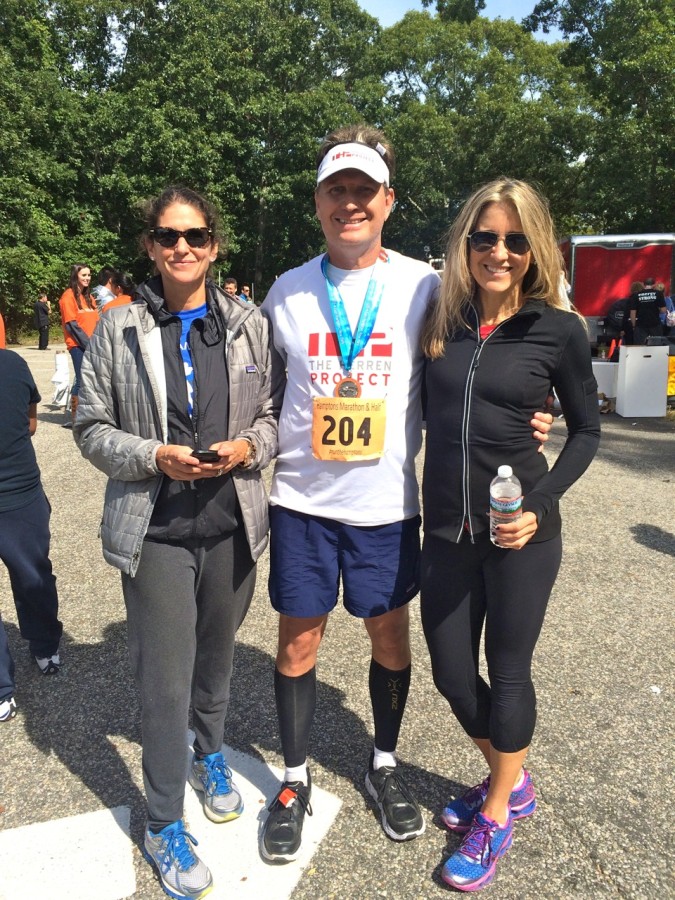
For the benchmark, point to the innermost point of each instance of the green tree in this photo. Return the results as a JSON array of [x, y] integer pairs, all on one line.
[[626, 48], [230, 98], [45, 225], [468, 102]]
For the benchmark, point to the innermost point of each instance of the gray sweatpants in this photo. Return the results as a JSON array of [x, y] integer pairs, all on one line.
[[184, 607]]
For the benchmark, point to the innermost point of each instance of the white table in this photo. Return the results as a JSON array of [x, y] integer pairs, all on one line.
[[643, 381], [607, 375]]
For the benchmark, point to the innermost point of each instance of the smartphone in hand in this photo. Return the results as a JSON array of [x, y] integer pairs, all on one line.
[[209, 456]]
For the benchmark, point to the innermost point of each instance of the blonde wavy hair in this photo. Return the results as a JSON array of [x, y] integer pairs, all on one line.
[[458, 288]]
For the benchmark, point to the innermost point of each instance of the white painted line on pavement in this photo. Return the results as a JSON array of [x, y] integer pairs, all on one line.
[[78, 857], [75, 858], [231, 849]]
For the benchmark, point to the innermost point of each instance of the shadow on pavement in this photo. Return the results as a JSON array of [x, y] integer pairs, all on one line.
[[655, 538], [72, 715], [340, 742]]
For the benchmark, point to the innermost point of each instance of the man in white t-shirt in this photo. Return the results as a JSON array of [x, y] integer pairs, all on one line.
[[344, 498]]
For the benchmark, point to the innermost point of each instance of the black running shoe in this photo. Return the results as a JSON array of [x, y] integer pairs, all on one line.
[[282, 832], [49, 665], [399, 813]]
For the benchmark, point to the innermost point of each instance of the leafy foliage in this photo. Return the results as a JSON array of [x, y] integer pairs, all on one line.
[[104, 102]]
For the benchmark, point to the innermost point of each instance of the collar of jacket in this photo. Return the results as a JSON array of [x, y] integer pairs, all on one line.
[[533, 306], [225, 313]]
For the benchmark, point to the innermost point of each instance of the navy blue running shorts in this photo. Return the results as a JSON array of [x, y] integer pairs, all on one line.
[[378, 566]]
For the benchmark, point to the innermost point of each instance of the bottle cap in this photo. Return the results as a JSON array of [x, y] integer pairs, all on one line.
[[505, 471]]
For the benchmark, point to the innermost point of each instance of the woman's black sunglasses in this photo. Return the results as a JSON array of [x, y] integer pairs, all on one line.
[[169, 237], [515, 241]]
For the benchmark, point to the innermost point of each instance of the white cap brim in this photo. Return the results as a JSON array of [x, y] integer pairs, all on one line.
[[354, 156]]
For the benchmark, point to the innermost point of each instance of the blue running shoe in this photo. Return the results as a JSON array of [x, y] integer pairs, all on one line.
[[212, 776], [458, 814], [472, 867], [181, 871]]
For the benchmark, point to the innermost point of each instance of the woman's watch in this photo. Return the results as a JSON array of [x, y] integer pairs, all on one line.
[[247, 461]]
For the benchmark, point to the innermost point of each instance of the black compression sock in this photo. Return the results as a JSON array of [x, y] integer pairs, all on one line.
[[388, 696], [296, 702]]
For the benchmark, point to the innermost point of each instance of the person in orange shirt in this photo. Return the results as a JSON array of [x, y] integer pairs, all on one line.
[[79, 317], [123, 288], [2, 333]]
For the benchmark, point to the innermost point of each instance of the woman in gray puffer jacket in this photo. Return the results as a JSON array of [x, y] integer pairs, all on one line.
[[183, 370]]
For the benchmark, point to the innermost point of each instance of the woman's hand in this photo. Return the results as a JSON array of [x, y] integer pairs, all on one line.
[[515, 535], [178, 463], [541, 422], [232, 453]]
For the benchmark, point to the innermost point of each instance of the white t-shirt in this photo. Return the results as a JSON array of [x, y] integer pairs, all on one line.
[[373, 492]]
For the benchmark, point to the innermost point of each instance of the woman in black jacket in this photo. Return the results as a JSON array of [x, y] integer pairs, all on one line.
[[497, 341]]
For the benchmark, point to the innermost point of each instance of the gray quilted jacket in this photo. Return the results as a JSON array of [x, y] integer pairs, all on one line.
[[121, 418]]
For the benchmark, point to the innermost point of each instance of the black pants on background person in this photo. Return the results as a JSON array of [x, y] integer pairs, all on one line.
[[43, 337], [24, 549]]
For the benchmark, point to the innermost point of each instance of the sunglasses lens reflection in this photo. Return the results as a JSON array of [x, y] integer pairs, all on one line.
[[515, 242], [169, 237]]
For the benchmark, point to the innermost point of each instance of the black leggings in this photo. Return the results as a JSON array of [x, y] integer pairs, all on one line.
[[466, 586]]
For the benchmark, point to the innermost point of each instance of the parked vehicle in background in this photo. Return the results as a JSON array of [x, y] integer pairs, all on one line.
[[602, 267]]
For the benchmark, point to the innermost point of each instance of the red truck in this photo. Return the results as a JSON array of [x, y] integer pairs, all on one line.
[[602, 267]]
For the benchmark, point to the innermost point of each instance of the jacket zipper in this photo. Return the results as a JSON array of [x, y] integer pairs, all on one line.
[[466, 415]]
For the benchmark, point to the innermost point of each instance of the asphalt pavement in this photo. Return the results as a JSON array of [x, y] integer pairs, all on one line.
[[602, 754]]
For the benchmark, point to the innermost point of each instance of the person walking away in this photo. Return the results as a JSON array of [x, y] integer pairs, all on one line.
[[497, 342], [123, 288], [646, 308]]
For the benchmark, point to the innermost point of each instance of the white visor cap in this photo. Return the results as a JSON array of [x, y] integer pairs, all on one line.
[[354, 156]]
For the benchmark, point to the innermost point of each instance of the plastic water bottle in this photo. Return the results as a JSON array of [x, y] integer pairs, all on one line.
[[506, 499]]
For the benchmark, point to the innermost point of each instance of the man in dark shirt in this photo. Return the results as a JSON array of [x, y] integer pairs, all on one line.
[[645, 307], [42, 308], [24, 527], [617, 321]]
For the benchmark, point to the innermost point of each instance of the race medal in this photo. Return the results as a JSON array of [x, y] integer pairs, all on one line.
[[347, 387], [348, 429]]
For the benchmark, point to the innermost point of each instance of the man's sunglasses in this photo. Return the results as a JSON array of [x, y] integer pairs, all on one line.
[[514, 241], [169, 237]]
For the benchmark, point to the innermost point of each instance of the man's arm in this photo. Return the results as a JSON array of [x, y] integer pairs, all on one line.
[[32, 418]]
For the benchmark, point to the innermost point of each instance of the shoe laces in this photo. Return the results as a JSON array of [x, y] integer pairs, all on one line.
[[394, 783], [220, 775], [300, 797], [477, 792], [477, 845], [178, 849]]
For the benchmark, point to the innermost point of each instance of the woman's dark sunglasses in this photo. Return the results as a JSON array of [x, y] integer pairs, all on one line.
[[169, 237], [515, 241]]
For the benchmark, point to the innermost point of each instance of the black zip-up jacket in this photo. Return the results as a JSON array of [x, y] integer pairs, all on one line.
[[481, 396], [205, 507]]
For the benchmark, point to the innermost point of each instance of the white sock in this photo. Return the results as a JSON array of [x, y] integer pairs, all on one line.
[[296, 773], [521, 779], [383, 758]]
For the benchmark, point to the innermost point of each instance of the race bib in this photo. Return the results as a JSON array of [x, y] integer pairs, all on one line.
[[348, 429]]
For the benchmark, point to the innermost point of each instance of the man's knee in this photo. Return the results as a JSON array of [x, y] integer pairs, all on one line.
[[390, 638], [299, 641]]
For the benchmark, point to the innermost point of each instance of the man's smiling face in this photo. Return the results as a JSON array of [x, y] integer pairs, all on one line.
[[352, 210]]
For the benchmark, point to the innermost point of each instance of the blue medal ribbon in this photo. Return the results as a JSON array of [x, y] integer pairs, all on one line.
[[352, 344]]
